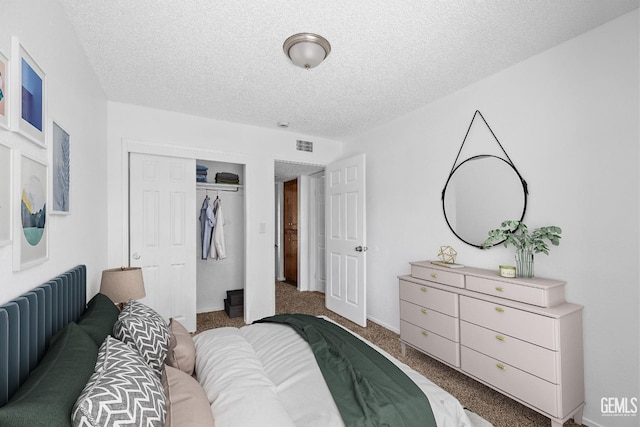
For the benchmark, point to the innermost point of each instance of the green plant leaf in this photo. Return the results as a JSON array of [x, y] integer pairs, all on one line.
[[516, 233]]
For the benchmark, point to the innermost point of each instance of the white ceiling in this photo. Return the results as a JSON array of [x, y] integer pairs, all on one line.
[[224, 59], [285, 171]]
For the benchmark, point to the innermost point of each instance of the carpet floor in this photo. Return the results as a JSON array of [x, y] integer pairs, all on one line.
[[489, 404]]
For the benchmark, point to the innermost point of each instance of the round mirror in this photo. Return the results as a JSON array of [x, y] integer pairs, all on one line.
[[480, 193]]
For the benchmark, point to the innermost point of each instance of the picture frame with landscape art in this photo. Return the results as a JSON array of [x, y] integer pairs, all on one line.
[[29, 86], [6, 171], [4, 92], [60, 163], [30, 246]]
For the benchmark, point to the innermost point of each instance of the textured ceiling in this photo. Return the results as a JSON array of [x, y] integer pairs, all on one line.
[[285, 171], [224, 59]]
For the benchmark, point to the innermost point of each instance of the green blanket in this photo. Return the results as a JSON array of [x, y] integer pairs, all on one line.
[[368, 388]]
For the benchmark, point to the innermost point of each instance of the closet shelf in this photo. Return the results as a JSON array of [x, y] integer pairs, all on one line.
[[220, 187]]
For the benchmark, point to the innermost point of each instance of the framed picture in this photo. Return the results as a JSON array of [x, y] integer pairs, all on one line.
[[30, 246], [4, 92], [59, 170], [29, 104], [5, 194]]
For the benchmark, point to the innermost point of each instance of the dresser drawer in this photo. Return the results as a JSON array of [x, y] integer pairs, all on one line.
[[431, 320], [543, 297], [431, 298], [431, 343], [422, 271], [519, 384], [528, 357], [534, 328]]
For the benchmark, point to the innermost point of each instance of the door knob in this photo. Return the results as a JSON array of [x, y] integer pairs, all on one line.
[[361, 248], [135, 255]]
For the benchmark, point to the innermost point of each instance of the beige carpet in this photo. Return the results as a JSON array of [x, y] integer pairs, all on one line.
[[489, 404]]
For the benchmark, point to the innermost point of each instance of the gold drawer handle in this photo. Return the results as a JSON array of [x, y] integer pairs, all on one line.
[[434, 275], [425, 333], [423, 289], [424, 311], [501, 366], [499, 288], [499, 337], [500, 309]]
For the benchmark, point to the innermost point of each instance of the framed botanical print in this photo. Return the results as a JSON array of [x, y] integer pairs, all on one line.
[[30, 246], [29, 103], [4, 92], [60, 178]]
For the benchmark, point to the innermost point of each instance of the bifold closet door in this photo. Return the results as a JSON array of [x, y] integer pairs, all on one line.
[[161, 238]]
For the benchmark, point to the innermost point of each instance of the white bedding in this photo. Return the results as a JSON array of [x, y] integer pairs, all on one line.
[[266, 375]]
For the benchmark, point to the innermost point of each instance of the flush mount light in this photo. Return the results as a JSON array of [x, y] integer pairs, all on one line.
[[283, 125], [306, 50]]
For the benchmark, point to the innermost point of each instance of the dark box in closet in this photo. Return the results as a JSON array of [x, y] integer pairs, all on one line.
[[233, 310], [236, 297]]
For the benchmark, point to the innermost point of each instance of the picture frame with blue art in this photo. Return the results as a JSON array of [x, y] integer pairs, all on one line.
[[30, 246], [29, 87], [60, 170]]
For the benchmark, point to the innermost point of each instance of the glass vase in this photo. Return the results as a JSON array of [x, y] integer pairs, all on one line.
[[524, 263]]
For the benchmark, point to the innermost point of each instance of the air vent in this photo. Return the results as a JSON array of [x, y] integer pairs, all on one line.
[[304, 145]]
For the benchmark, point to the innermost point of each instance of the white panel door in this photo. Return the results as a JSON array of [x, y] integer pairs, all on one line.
[[161, 233], [345, 210]]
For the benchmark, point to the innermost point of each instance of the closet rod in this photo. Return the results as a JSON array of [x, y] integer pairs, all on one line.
[[218, 187]]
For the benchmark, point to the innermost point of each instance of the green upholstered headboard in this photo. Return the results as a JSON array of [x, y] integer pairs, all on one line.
[[28, 322]]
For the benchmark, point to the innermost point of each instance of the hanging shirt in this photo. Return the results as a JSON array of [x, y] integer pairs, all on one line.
[[207, 222], [218, 250]]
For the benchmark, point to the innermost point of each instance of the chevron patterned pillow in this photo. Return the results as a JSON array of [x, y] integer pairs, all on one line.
[[145, 331], [123, 390]]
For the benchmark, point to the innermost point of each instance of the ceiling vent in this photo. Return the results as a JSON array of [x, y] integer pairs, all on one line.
[[304, 146]]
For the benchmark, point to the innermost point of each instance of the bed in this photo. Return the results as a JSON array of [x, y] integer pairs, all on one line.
[[64, 362]]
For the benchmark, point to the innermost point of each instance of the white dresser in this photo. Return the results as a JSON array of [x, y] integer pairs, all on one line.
[[517, 336]]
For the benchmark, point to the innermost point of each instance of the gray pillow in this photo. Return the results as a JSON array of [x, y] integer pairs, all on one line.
[[123, 390], [145, 331]]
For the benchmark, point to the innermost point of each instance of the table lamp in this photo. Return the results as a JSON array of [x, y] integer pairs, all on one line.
[[122, 284]]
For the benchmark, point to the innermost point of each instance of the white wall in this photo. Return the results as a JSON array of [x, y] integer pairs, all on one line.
[[77, 103], [256, 148], [568, 118]]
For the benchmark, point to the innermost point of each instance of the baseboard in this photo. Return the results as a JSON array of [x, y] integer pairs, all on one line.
[[208, 309], [590, 423], [383, 324]]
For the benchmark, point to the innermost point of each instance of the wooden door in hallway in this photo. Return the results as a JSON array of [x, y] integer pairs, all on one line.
[[290, 219]]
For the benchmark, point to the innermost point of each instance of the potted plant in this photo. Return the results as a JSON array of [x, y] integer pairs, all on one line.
[[516, 233]]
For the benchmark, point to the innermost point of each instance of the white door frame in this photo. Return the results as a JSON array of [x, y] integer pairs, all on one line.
[[316, 247], [306, 261], [279, 234], [170, 150]]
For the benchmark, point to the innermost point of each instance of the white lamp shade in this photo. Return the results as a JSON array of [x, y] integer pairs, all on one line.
[[122, 284]]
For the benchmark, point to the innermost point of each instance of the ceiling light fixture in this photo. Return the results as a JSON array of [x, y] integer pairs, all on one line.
[[306, 50]]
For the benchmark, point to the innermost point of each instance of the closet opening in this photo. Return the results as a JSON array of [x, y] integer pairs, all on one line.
[[220, 255], [299, 225]]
